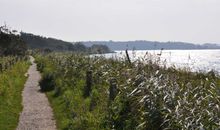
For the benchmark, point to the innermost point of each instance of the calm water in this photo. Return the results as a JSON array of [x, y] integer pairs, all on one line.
[[196, 60]]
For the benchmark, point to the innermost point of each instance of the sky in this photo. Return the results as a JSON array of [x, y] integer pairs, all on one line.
[[196, 21]]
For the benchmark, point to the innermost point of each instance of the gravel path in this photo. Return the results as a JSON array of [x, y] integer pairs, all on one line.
[[37, 113]]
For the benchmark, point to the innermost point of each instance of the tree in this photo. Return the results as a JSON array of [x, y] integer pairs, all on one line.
[[11, 43]]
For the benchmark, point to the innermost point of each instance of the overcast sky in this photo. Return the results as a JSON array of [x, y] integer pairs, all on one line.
[[196, 21]]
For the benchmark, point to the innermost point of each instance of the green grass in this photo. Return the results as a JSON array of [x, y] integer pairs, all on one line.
[[11, 86], [147, 96]]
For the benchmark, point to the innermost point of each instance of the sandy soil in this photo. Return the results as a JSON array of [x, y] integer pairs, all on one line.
[[37, 113]]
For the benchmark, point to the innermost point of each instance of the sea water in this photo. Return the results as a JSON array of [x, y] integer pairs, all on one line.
[[195, 60]]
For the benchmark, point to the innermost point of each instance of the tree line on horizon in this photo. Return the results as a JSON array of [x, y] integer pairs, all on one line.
[[14, 43], [52, 44]]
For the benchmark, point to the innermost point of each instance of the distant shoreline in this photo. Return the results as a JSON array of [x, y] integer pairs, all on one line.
[[165, 49], [152, 45]]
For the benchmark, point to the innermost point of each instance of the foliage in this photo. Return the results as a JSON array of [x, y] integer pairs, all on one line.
[[52, 44], [9, 61], [99, 49], [10, 43], [11, 85], [47, 83], [148, 96]]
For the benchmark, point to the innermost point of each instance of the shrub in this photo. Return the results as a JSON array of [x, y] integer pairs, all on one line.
[[47, 82]]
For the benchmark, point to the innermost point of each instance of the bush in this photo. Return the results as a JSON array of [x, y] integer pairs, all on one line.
[[47, 82]]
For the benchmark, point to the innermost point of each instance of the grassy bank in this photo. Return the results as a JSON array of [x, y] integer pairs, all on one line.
[[11, 85], [98, 93]]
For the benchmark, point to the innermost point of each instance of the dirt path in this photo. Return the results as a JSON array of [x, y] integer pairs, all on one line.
[[37, 113]]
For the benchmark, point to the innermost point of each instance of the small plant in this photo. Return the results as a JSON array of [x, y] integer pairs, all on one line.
[[47, 82]]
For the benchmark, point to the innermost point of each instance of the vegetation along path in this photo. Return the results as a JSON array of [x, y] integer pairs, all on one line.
[[37, 113]]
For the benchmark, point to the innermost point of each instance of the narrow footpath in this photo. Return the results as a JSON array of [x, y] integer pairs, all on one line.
[[37, 113]]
